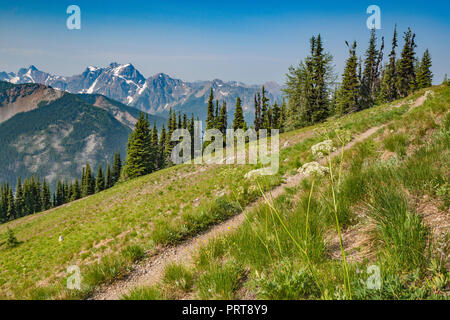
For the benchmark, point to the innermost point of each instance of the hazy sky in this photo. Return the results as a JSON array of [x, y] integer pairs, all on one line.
[[249, 41]]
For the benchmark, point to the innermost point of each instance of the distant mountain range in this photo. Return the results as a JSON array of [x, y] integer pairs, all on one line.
[[52, 133], [155, 95]]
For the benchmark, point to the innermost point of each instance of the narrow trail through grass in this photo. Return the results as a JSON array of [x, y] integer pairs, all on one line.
[[151, 270]]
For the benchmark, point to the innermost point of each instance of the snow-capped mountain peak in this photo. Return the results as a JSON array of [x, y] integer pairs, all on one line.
[[156, 94]]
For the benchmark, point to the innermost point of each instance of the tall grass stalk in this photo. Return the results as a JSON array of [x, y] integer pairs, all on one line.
[[273, 210], [307, 213], [348, 290]]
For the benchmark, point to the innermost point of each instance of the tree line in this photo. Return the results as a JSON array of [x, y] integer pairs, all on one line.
[[313, 94], [148, 151], [34, 194]]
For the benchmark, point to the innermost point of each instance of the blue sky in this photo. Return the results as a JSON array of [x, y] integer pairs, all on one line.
[[249, 41]]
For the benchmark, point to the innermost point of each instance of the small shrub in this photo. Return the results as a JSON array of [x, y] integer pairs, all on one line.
[[134, 253], [396, 143], [145, 293], [286, 282], [220, 281], [178, 276], [12, 240]]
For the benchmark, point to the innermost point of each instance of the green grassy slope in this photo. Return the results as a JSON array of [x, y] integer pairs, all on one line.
[[105, 233]]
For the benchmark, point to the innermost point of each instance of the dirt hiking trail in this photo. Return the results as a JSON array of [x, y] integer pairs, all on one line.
[[151, 270]]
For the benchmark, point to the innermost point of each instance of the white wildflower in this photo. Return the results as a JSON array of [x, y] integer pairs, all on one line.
[[313, 168], [429, 94], [259, 172], [322, 149]]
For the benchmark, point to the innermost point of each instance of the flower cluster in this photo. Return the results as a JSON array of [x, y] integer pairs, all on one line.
[[429, 94], [313, 168], [322, 149]]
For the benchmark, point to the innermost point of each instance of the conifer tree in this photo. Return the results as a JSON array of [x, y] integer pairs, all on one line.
[[389, 90], [59, 194], [238, 121], [155, 148], [424, 75], [257, 122], [283, 116], [162, 147], [347, 96], [19, 199], [117, 168], [11, 212], [139, 149], [321, 73], [76, 191], [370, 84], [191, 131], [222, 120], [216, 116], [46, 196], [406, 76], [88, 187], [275, 116], [100, 180], [308, 87], [210, 118], [3, 202], [265, 120], [185, 122], [66, 191], [108, 177], [180, 124]]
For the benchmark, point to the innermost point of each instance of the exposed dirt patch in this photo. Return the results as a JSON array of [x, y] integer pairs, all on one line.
[[437, 220], [356, 241]]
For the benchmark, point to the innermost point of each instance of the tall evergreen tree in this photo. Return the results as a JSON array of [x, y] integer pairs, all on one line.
[[59, 194], [108, 177], [222, 120], [76, 194], [162, 147], [424, 77], [283, 116], [117, 168], [321, 72], [257, 122], [88, 186], [46, 198], [100, 180], [265, 118], [389, 90], [155, 149], [371, 77], [11, 212], [238, 121], [275, 116], [308, 87], [347, 96], [210, 118], [139, 149], [19, 198], [406, 76]]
